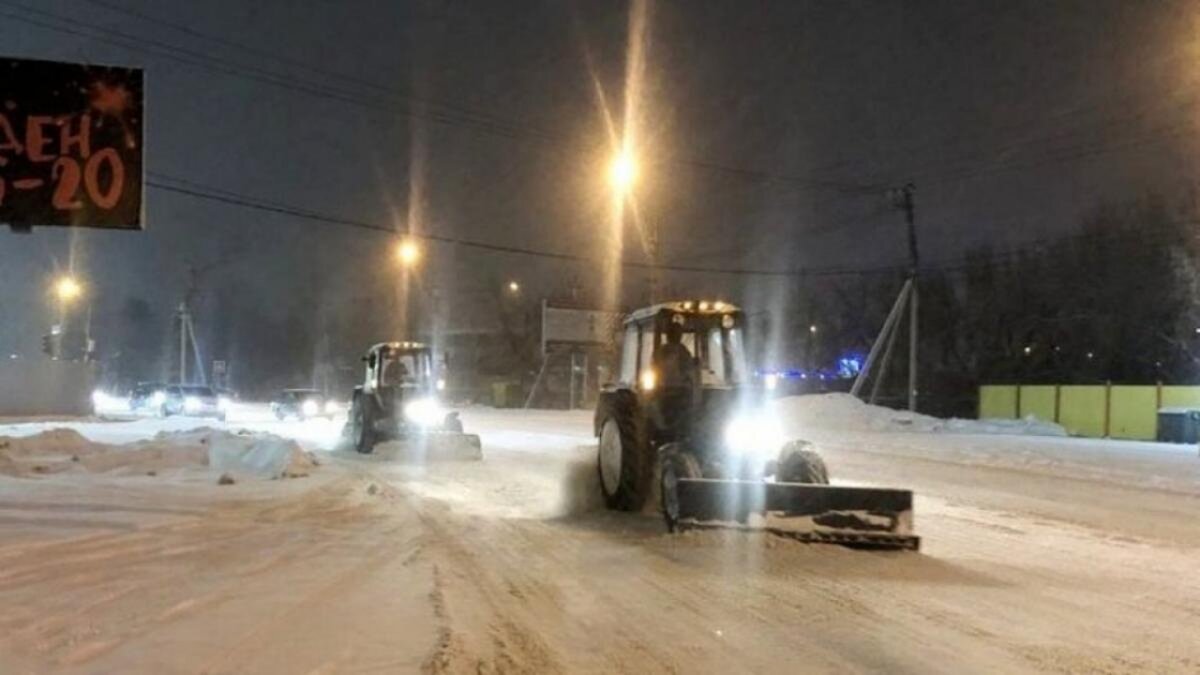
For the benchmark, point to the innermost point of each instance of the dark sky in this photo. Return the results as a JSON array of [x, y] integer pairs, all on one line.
[[761, 123]]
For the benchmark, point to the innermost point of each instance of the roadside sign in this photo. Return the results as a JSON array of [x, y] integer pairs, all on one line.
[[579, 327], [70, 145]]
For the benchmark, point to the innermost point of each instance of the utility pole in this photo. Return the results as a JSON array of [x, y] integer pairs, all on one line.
[[904, 200], [183, 336]]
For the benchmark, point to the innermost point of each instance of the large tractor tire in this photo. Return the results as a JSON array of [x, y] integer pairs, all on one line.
[[799, 463], [362, 425], [676, 464], [622, 459]]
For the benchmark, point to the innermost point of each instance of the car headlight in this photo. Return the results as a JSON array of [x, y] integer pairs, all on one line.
[[191, 403], [309, 407], [158, 398], [223, 403], [331, 407], [754, 435], [425, 412]]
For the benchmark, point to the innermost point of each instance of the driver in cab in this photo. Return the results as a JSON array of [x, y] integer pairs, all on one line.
[[676, 370]]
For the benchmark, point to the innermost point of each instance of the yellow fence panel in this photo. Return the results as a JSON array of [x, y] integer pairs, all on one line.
[[998, 401], [1038, 400], [1081, 409], [1133, 412], [1176, 396]]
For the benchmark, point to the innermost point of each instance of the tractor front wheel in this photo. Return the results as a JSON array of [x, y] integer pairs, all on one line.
[[799, 463], [676, 464]]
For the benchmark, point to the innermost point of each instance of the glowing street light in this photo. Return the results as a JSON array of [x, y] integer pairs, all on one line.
[[67, 289], [408, 252], [514, 287], [623, 172]]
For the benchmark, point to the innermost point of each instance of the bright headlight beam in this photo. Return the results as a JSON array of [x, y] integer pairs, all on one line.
[[759, 435], [425, 412]]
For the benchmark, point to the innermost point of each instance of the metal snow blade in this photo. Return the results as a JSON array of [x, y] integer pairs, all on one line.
[[852, 516]]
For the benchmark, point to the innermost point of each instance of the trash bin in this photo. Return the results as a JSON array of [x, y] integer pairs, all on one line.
[[1179, 425]]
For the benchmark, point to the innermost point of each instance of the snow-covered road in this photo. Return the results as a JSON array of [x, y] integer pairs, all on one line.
[[1039, 555]]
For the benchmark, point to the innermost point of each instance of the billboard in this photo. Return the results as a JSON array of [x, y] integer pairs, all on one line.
[[70, 145], [563, 325]]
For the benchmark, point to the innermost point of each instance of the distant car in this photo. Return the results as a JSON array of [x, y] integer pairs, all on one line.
[[192, 401], [303, 404], [148, 396]]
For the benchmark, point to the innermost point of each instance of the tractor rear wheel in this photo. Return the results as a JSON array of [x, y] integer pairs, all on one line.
[[621, 460], [799, 463]]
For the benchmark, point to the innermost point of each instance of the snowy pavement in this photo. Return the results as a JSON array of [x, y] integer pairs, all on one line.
[[1040, 554]]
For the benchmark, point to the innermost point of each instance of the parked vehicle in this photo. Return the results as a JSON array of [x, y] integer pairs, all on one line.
[[192, 401], [302, 404]]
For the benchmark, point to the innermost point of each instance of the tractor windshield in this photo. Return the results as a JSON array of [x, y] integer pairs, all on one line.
[[716, 342], [405, 369], [722, 356]]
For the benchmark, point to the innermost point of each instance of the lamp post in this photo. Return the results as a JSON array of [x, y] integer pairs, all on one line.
[[67, 290], [623, 176], [408, 252]]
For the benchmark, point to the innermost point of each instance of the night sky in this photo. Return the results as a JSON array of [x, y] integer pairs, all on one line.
[[769, 132]]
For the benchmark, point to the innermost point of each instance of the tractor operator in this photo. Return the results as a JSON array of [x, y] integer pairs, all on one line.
[[676, 369]]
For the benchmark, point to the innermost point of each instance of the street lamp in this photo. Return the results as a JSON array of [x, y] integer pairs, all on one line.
[[408, 252], [514, 287], [67, 289], [623, 172]]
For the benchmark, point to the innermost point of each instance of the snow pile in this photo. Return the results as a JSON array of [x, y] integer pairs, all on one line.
[[67, 451], [843, 412], [261, 455]]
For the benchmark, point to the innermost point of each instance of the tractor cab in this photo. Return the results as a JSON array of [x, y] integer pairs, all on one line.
[[710, 334], [403, 365], [685, 363]]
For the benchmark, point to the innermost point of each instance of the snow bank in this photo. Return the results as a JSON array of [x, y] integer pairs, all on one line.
[[67, 451], [843, 412]]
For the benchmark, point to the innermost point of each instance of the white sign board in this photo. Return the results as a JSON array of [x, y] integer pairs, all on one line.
[[578, 326]]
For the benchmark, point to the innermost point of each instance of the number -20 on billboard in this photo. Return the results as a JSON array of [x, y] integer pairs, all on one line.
[[70, 145]]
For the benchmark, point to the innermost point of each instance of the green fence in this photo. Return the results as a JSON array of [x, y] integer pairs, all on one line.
[[1093, 410]]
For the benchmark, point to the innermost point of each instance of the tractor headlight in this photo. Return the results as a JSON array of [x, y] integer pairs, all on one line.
[[310, 408], [425, 412], [754, 435], [191, 404], [649, 379]]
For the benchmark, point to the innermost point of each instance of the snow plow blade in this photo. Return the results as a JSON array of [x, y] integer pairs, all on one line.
[[852, 516], [433, 447]]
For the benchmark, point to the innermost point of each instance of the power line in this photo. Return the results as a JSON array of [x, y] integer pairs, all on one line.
[[192, 189], [1152, 235]]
